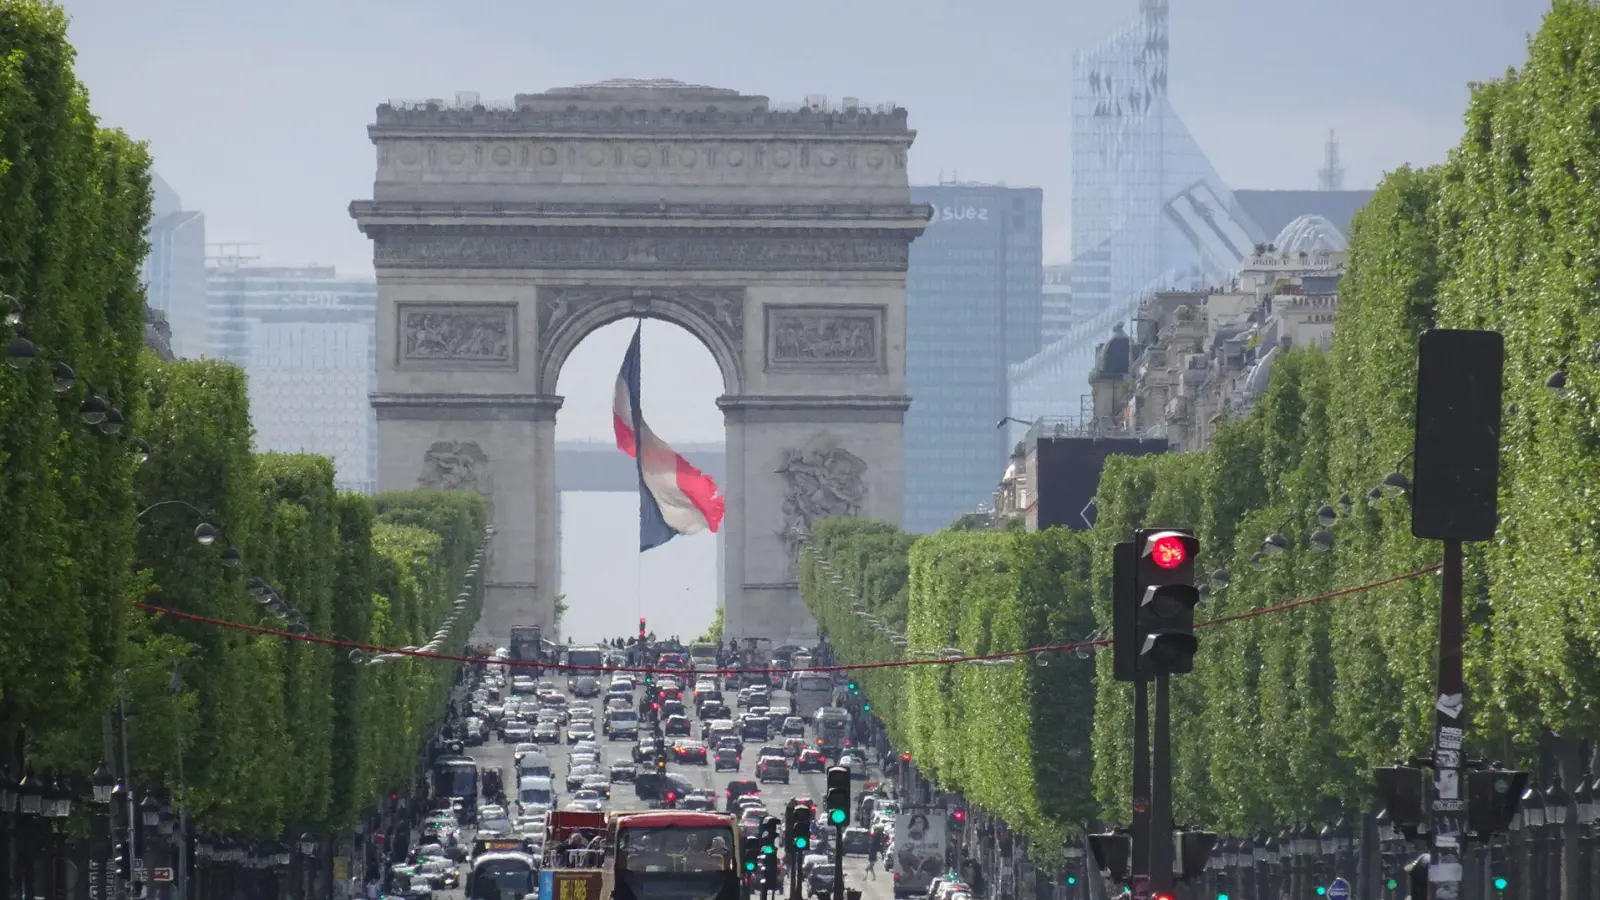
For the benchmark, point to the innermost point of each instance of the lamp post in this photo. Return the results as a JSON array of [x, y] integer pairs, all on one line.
[[30, 806], [104, 786]]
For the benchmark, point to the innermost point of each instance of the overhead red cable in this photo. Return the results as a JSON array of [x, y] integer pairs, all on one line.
[[891, 664]]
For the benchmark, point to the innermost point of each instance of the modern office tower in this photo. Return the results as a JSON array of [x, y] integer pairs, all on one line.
[[973, 307], [174, 274], [304, 337]]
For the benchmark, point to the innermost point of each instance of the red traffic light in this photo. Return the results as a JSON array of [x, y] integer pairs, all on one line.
[[960, 815], [1168, 551], [671, 796], [905, 757]]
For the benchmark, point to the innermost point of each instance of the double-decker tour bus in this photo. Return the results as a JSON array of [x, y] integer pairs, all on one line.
[[812, 691], [502, 869], [527, 646], [455, 782], [675, 855]]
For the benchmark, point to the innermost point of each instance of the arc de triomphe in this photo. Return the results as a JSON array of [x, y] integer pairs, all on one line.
[[503, 237]]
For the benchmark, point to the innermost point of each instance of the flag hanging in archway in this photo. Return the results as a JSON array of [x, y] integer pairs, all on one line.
[[674, 497]]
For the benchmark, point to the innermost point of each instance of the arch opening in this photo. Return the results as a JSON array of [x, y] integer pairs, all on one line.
[[606, 583], [713, 318]]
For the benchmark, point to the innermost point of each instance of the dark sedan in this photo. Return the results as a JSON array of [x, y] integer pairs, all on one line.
[[692, 752]]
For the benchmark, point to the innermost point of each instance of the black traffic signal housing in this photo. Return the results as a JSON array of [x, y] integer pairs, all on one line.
[[1493, 798], [1194, 853], [1400, 791], [798, 838], [122, 855], [838, 796], [1417, 878], [852, 687], [1164, 597], [749, 854], [768, 838], [1113, 855]]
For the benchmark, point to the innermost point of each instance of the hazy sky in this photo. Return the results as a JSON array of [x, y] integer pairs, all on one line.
[[256, 112]]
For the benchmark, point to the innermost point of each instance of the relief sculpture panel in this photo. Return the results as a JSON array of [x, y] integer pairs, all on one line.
[[447, 336], [821, 480], [848, 338], [457, 466]]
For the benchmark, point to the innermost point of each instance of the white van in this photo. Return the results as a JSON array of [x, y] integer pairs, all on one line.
[[535, 793]]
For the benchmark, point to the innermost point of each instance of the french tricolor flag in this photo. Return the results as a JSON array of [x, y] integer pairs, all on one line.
[[674, 497]]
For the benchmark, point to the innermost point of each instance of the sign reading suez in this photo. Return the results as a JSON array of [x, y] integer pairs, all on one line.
[[959, 214]]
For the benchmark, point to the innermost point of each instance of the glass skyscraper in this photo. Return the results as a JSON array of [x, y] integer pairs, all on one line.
[[1149, 213], [174, 274], [973, 307], [305, 338]]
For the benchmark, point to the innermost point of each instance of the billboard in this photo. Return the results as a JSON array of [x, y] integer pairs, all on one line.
[[919, 848]]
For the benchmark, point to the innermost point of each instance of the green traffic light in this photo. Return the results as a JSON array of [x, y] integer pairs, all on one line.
[[1501, 883], [1072, 879], [1222, 897], [1322, 891], [837, 816], [1393, 884], [768, 849], [749, 865], [867, 707], [801, 843]]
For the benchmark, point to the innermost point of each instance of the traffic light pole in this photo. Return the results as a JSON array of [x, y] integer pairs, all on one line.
[[1446, 812], [1141, 787], [838, 862], [1160, 832]]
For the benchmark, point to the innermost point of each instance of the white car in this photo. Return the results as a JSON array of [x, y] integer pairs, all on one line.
[[580, 730], [856, 765]]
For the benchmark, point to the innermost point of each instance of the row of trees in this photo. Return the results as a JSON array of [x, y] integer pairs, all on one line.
[[1287, 713], [273, 734]]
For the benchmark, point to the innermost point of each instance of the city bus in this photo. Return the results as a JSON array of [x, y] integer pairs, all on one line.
[[590, 661], [675, 855], [812, 691], [527, 646]]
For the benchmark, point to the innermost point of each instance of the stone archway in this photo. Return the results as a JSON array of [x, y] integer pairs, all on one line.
[[502, 238]]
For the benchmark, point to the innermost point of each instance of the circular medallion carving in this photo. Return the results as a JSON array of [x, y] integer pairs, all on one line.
[[409, 155], [828, 157], [547, 156], [687, 158], [735, 157], [596, 156], [641, 156], [456, 155], [502, 156], [876, 158], [781, 157]]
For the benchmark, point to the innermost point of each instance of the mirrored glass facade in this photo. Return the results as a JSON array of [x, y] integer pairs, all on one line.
[[973, 307]]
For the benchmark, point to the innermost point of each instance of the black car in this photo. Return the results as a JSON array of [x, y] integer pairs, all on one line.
[[754, 728], [773, 768], [677, 726], [725, 759], [740, 788]]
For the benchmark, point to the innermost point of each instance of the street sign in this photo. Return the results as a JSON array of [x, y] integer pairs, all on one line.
[[1339, 890], [161, 876]]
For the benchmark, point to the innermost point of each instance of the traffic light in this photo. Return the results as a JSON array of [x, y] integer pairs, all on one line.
[[853, 687], [838, 796], [1322, 890], [960, 815], [769, 836], [749, 851], [122, 855], [800, 829], [1400, 790], [1417, 878], [1500, 883], [1163, 597], [866, 707], [1493, 797], [672, 799], [1194, 852], [1113, 855]]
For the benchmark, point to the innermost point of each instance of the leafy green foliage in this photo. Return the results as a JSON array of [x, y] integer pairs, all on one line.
[[1297, 707], [1013, 739], [713, 632]]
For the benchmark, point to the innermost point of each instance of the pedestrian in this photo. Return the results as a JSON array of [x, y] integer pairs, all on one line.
[[872, 860]]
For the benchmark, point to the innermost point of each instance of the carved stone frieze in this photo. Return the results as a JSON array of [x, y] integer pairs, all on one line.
[[821, 479], [825, 337], [428, 118], [450, 336], [455, 466], [584, 248], [722, 308]]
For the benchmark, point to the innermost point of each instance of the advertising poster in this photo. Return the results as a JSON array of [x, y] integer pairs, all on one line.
[[919, 842]]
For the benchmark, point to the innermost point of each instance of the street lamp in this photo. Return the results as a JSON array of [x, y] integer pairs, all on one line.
[[104, 784], [308, 844], [231, 557], [64, 377], [150, 810], [93, 410], [8, 792], [1585, 798], [29, 798], [1556, 799]]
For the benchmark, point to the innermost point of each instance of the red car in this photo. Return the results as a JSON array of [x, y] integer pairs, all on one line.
[[690, 752], [810, 761]]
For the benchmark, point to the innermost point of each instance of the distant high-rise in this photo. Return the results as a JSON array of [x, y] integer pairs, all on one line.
[[174, 274], [304, 337], [1331, 176], [974, 305]]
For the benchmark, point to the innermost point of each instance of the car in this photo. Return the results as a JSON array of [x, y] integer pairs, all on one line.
[[794, 726], [754, 728], [578, 774], [586, 686], [623, 772], [857, 841], [810, 760], [741, 788], [772, 768], [794, 746], [690, 752], [588, 794], [725, 758], [677, 726], [700, 800], [856, 765], [580, 730], [515, 731], [523, 684], [599, 784], [546, 733]]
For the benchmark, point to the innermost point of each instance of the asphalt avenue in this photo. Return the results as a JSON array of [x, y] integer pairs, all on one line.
[[776, 796]]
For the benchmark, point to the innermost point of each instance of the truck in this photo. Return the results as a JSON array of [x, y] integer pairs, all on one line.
[[919, 850]]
